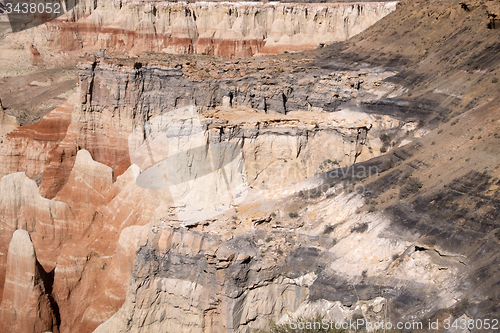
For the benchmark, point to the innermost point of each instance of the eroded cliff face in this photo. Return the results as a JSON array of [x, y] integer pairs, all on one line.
[[231, 30], [115, 99], [416, 239], [90, 229], [124, 259], [273, 267]]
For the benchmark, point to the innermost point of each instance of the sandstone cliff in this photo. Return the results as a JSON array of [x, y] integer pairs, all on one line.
[[231, 30], [95, 191], [414, 240], [22, 207], [273, 266], [116, 99]]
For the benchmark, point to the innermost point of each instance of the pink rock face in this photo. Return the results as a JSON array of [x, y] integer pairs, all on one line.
[[25, 304], [27, 148], [87, 186], [81, 243], [109, 149], [22, 207]]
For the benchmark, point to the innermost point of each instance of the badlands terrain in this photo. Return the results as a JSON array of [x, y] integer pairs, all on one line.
[[215, 167]]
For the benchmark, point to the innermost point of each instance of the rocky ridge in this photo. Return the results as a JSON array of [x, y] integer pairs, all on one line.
[[239, 29]]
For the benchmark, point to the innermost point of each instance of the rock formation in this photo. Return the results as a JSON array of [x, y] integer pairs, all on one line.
[[88, 184], [228, 29], [371, 177], [109, 89], [197, 282], [80, 152], [7, 123], [22, 207], [97, 201], [26, 304], [28, 147]]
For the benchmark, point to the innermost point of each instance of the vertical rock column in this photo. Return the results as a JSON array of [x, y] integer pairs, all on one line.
[[25, 306]]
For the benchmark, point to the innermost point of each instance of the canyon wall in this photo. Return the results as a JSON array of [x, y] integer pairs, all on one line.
[[26, 306], [78, 155], [417, 241], [220, 280], [115, 99], [239, 29], [120, 254]]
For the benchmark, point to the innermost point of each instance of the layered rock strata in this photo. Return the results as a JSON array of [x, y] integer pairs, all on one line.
[[220, 280], [417, 243], [22, 207], [77, 239], [231, 30], [115, 99], [83, 161], [28, 148]]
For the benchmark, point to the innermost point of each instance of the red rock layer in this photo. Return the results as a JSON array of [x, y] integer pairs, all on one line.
[[27, 148], [225, 29], [136, 41], [180, 45], [78, 35]]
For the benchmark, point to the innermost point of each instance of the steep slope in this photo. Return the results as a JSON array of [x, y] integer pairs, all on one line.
[[446, 189], [419, 238], [373, 183], [445, 51]]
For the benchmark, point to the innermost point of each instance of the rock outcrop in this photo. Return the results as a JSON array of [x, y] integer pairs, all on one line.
[[228, 29], [7, 123], [84, 151], [28, 148], [22, 207], [26, 305], [88, 185], [46, 150], [217, 280], [329, 223]]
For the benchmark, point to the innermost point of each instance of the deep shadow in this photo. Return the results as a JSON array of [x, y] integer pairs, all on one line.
[[48, 282]]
